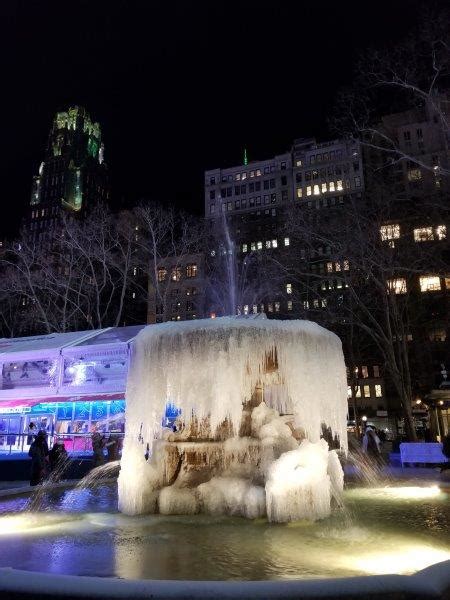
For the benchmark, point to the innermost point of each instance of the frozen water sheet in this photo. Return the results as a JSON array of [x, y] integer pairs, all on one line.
[[210, 369]]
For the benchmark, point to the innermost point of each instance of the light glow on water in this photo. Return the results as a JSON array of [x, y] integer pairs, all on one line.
[[412, 492], [406, 559]]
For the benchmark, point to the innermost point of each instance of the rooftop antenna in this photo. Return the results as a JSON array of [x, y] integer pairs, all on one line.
[[245, 157]]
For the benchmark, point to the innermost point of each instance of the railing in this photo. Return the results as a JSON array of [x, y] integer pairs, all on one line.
[[75, 443]]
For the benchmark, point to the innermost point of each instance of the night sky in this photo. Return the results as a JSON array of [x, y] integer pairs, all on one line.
[[178, 87]]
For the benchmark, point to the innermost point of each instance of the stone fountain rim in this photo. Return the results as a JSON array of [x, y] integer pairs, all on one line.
[[431, 582]]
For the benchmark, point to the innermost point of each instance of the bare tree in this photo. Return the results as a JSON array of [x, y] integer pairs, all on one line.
[[413, 74], [357, 270], [164, 238], [74, 278]]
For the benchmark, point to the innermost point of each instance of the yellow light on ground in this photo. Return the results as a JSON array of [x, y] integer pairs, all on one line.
[[405, 560]]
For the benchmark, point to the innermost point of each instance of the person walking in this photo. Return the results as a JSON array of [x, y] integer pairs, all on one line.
[[371, 444], [112, 446], [58, 459], [98, 445], [38, 453]]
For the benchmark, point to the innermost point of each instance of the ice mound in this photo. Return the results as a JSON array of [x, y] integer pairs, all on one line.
[[232, 496], [255, 397], [298, 480]]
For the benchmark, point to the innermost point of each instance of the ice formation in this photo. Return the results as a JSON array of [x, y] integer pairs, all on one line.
[[257, 397]]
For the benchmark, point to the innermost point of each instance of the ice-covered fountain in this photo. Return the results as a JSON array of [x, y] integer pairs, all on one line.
[[263, 412]]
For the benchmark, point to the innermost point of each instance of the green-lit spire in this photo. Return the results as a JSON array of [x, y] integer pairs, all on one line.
[[245, 157]]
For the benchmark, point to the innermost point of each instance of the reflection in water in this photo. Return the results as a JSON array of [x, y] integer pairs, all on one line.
[[390, 529]]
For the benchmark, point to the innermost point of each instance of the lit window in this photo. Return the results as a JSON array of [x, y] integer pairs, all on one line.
[[414, 175], [367, 391], [338, 266], [289, 288], [308, 190], [329, 267], [441, 232], [289, 304], [270, 307], [331, 186], [176, 274], [258, 172], [212, 208], [358, 391], [390, 232], [135, 271], [274, 243], [268, 244], [430, 283], [259, 245], [316, 303], [423, 234], [244, 175], [378, 393], [245, 309], [255, 309], [298, 162], [299, 192], [364, 372], [397, 285], [346, 265], [162, 274], [277, 307], [237, 176], [244, 247], [324, 188], [253, 246], [287, 241], [305, 304], [316, 190], [191, 270], [339, 185], [438, 335], [376, 371], [324, 303], [133, 295]]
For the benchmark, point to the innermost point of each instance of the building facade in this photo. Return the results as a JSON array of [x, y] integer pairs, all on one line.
[[178, 291], [73, 175]]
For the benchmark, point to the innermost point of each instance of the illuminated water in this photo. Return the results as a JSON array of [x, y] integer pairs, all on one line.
[[383, 530]]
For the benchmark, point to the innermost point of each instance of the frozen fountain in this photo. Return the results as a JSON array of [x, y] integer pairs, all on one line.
[[263, 413]]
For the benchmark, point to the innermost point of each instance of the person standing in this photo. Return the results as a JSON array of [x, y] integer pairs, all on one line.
[[38, 453], [31, 433]]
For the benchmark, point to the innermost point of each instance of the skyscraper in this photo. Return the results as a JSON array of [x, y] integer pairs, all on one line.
[[73, 174]]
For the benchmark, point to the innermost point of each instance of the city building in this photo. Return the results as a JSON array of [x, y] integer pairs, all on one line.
[[255, 202], [178, 293], [257, 198], [73, 174]]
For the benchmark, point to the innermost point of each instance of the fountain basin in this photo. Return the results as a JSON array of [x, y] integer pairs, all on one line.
[[386, 530]]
